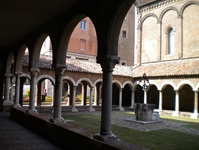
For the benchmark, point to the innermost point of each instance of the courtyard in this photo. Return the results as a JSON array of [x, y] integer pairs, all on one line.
[[170, 134]]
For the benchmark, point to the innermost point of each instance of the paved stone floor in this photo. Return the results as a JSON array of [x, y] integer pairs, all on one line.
[[14, 136]]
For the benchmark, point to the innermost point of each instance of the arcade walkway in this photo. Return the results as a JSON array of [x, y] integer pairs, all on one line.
[[14, 136]]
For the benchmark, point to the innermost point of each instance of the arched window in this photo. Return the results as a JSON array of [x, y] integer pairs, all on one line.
[[171, 41]]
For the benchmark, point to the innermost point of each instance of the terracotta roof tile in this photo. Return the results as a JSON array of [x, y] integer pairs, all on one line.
[[80, 66]]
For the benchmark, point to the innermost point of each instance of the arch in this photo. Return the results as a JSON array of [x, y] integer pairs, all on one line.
[[196, 88], [165, 83], [129, 83], [69, 79], [60, 54], [152, 82], [167, 9], [168, 97], [86, 80], [25, 75], [117, 83], [187, 4], [97, 81], [19, 58], [46, 77], [147, 16], [186, 98], [153, 95], [185, 82], [35, 52], [10, 60]]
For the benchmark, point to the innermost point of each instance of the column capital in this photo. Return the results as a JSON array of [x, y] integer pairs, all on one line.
[[108, 62], [8, 75], [59, 69], [34, 72], [18, 74]]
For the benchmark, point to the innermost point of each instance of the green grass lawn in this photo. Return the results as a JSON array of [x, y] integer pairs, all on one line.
[[163, 139]]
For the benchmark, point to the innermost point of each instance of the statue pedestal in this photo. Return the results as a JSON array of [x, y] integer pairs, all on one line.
[[144, 112]]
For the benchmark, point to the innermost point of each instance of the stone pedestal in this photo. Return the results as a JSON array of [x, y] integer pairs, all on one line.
[[144, 112]]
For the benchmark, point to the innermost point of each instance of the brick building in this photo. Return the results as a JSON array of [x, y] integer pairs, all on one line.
[[168, 52]]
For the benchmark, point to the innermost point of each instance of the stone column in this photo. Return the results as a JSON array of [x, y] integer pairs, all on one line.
[[176, 104], [145, 96], [195, 112], [74, 109], [132, 98], [7, 90], [82, 100], [12, 91], [120, 101], [91, 100], [33, 82], [17, 89], [160, 101], [57, 118], [107, 64], [95, 96]]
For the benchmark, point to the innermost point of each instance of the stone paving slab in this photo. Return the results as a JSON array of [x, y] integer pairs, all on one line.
[[14, 136]]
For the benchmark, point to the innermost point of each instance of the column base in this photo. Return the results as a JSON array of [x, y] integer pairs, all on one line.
[[74, 109], [91, 109], [120, 108], [16, 105], [194, 116], [175, 114], [7, 102], [131, 107], [32, 111], [57, 120], [105, 138]]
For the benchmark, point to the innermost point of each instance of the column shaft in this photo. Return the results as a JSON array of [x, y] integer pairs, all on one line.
[[58, 95], [160, 101], [17, 90], [91, 100], [33, 83]]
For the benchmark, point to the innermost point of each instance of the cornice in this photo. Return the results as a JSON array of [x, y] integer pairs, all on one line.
[[151, 6]]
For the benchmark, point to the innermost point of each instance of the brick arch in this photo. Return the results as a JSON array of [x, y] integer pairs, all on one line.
[[187, 4], [117, 83], [25, 75], [129, 83], [165, 83], [184, 82], [166, 10], [71, 80], [46, 77], [85, 80], [154, 83], [147, 16], [97, 81]]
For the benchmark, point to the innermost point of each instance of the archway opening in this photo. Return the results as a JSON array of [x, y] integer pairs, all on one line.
[[168, 98], [126, 96], [186, 98], [153, 96]]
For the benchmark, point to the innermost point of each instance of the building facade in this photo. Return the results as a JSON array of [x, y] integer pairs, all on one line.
[[168, 52]]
